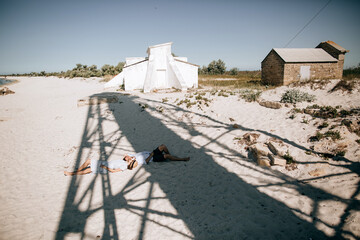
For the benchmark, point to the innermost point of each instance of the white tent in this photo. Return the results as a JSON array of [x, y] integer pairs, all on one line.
[[159, 70]]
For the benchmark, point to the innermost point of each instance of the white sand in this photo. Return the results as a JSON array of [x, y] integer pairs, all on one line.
[[219, 194]]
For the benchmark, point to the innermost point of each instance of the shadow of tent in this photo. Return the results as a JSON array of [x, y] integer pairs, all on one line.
[[239, 210]]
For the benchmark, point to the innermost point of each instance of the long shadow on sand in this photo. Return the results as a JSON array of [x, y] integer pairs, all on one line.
[[238, 211]]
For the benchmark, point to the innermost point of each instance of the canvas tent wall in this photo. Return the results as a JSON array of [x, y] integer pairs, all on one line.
[[159, 70]]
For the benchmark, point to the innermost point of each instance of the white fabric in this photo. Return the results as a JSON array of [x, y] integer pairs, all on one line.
[[141, 157], [114, 164]]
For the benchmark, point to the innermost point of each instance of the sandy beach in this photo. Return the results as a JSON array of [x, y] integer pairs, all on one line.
[[221, 193]]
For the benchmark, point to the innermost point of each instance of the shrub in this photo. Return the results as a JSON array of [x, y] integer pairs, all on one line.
[[295, 96], [344, 85], [215, 67], [317, 137], [234, 71], [289, 159], [323, 125], [334, 135], [250, 95]]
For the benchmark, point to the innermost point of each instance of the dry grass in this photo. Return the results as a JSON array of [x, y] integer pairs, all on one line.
[[247, 79], [107, 78]]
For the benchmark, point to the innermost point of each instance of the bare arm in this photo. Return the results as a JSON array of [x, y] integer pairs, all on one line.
[[149, 157], [111, 170]]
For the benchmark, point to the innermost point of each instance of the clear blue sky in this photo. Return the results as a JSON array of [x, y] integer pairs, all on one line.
[[46, 35]]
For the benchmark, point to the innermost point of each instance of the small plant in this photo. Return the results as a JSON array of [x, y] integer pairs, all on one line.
[[190, 104], [318, 136], [289, 159], [165, 100], [332, 127], [323, 125], [305, 121], [340, 153], [295, 96], [315, 106], [143, 106], [344, 113], [223, 93], [250, 95], [322, 112], [358, 141], [334, 135], [292, 116], [346, 122], [297, 110]]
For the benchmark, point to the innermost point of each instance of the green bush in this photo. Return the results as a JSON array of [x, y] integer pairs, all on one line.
[[295, 96], [215, 67]]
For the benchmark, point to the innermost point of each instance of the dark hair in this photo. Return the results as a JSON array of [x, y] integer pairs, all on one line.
[[131, 165]]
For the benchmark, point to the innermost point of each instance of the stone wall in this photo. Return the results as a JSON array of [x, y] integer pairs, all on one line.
[[336, 53], [317, 71], [272, 69]]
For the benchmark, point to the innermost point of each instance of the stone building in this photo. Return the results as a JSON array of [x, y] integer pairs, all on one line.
[[283, 66]]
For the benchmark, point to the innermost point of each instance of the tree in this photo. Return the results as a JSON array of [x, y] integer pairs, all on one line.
[[119, 67], [78, 66], [203, 70], [216, 67], [108, 70]]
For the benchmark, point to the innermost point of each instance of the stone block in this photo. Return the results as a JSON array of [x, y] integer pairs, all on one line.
[[259, 149], [275, 160], [263, 161], [277, 148], [250, 138], [269, 104]]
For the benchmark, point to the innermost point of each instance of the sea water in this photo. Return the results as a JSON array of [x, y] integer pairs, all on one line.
[[4, 81]]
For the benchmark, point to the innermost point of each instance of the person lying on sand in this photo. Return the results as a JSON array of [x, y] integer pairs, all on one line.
[[159, 154], [93, 166]]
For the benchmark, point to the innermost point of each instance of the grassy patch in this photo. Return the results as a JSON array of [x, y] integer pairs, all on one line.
[[107, 78], [352, 73], [197, 98], [326, 112], [246, 79], [334, 135]]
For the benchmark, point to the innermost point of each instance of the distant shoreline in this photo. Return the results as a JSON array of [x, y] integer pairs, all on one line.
[[5, 81]]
